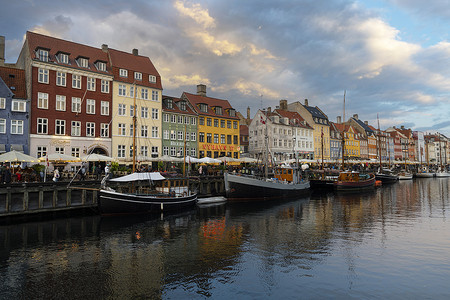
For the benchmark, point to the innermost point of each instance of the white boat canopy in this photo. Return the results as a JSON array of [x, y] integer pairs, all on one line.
[[139, 176]]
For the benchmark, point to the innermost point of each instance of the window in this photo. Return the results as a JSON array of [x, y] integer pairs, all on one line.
[[187, 136], [155, 151], [42, 55], [76, 151], [216, 138], [169, 103], [155, 96], [83, 62], [2, 103], [155, 132], [186, 120], [218, 110], [144, 94], [132, 91], [228, 139], [60, 127], [201, 137], [201, 121], [165, 150], [173, 151], [222, 138], [60, 103], [123, 73], [166, 134], [137, 75], [208, 121], [193, 152], [42, 126], [122, 90], [173, 135], [43, 100], [144, 131], [235, 126], [101, 66], [41, 151], [121, 151], [131, 129], [183, 105], [209, 138], [193, 136], [122, 109], [19, 106], [90, 106], [222, 123], [152, 78], [166, 118], [235, 140], [76, 104], [232, 113], [180, 135], [61, 78], [228, 124], [155, 113], [90, 129], [59, 150], [193, 121], [144, 151], [132, 110], [216, 122], [104, 108], [76, 81], [104, 130], [43, 76], [105, 86], [144, 112], [180, 119], [203, 107], [2, 125], [122, 129], [90, 84], [76, 128]]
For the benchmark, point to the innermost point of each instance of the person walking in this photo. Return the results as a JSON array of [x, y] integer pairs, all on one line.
[[107, 170], [56, 175], [7, 175]]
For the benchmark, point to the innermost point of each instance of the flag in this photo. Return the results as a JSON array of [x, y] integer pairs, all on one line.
[[262, 120]]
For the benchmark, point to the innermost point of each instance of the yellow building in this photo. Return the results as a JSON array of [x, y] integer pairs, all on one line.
[[218, 125], [352, 147], [135, 74]]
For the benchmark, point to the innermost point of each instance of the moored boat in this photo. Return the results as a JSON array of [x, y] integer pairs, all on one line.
[[354, 181], [386, 176], [405, 176]]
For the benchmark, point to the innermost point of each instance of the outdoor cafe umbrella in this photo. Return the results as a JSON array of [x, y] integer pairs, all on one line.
[[209, 160], [58, 157], [14, 156], [96, 157]]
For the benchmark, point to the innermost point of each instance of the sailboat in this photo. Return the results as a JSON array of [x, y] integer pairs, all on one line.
[[148, 192], [287, 182], [424, 172], [442, 172], [405, 175], [386, 176]]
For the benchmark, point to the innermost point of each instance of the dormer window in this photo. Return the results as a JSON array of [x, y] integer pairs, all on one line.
[[152, 79], [43, 55], [137, 75], [101, 66], [218, 110], [232, 113], [203, 107], [183, 105], [63, 58], [169, 103], [83, 62], [123, 73]]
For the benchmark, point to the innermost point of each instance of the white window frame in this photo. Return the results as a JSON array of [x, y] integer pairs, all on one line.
[[104, 108], [151, 78], [144, 151], [166, 118], [90, 129], [83, 62], [42, 100], [60, 103], [43, 123], [144, 112], [122, 90], [20, 106], [76, 105], [138, 76], [76, 81], [123, 73], [75, 129], [90, 81], [76, 151], [2, 103], [144, 93], [121, 151], [61, 78], [104, 130], [105, 86], [155, 114], [144, 131], [42, 55], [155, 95], [155, 132], [122, 128], [122, 110], [101, 66], [2, 125], [43, 75], [90, 106], [61, 124], [166, 134], [63, 58], [41, 151]]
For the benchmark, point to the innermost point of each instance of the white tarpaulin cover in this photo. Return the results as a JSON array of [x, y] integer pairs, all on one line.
[[139, 176]]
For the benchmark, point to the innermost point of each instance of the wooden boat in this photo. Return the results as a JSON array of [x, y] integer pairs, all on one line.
[[151, 193], [354, 181], [386, 176], [405, 176], [425, 174]]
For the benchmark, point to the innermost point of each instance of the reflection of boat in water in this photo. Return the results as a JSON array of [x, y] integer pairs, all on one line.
[[285, 184], [354, 181], [156, 195], [211, 200]]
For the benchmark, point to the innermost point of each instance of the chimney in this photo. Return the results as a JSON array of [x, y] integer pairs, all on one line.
[[201, 90], [248, 113], [306, 102], [269, 110], [338, 120], [105, 48], [135, 52], [355, 116], [2, 50], [283, 104], [366, 122]]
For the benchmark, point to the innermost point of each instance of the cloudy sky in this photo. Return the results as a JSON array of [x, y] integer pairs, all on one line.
[[392, 57]]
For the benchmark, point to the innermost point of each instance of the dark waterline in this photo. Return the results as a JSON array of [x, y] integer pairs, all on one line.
[[392, 243]]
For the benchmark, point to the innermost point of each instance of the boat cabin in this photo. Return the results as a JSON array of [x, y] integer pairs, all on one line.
[[287, 174], [348, 176]]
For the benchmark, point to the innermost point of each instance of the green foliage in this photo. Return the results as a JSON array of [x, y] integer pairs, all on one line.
[[38, 168], [114, 166]]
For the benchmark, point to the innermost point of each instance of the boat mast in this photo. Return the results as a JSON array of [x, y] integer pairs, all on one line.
[[379, 143], [266, 154], [184, 152], [440, 152], [343, 136], [134, 126]]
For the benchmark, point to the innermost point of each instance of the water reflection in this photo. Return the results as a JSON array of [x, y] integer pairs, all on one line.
[[242, 250]]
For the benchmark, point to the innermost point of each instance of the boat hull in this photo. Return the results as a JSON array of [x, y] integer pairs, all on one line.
[[111, 202], [386, 178], [349, 186], [245, 188], [405, 176], [425, 175], [442, 174]]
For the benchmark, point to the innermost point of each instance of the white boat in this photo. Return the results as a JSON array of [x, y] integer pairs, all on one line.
[[425, 174], [405, 176], [442, 174], [211, 200]]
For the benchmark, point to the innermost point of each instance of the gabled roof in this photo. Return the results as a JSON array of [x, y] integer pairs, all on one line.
[[315, 112], [195, 100], [292, 115], [176, 108], [343, 127], [15, 81], [74, 50], [365, 126]]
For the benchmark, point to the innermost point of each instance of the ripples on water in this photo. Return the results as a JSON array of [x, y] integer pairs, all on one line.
[[389, 243]]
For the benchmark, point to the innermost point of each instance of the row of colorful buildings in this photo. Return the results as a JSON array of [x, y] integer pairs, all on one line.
[[75, 99]]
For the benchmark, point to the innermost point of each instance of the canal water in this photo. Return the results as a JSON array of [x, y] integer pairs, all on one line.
[[391, 243]]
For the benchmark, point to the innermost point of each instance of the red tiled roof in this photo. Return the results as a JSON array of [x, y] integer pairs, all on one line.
[[211, 102], [293, 115], [243, 130], [55, 45], [175, 108], [14, 78]]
